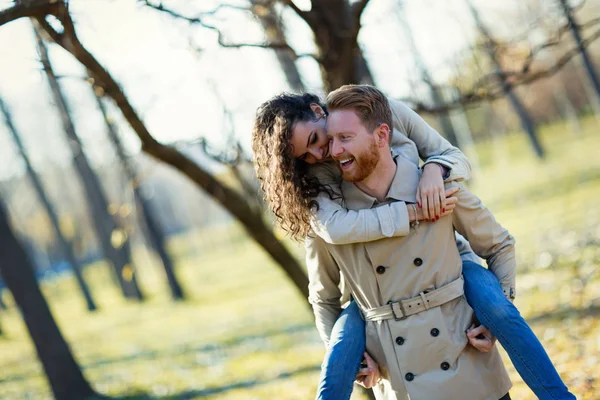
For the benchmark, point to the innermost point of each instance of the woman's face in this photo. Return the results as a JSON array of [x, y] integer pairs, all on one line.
[[309, 141]]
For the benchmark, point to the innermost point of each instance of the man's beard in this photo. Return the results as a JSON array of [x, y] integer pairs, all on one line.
[[364, 164]]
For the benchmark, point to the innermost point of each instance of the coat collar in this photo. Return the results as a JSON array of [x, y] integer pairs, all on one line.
[[403, 187]]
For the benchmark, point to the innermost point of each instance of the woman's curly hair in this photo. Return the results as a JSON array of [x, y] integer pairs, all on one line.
[[287, 187]]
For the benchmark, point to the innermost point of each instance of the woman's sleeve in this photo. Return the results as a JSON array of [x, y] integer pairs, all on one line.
[[432, 147]]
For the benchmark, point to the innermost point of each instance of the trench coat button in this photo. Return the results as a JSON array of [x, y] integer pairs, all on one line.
[[399, 340], [418, 262], [380, 270], [409, 377], [435, 332], [445, 366]]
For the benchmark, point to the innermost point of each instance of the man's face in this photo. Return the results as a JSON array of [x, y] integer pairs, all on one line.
[[353, 147], [309, 141]]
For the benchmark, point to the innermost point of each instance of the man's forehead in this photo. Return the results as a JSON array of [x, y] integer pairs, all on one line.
[[342, 119]]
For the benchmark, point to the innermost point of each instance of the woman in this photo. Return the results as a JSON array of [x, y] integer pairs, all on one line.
[[297, 123]]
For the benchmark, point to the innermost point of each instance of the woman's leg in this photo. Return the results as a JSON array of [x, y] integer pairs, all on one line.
[[501, 317], [344, 353]]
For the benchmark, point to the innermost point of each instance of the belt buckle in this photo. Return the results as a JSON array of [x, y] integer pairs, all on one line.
[[391, 303]]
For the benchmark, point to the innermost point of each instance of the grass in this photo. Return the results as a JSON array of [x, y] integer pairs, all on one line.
[[246, 333]]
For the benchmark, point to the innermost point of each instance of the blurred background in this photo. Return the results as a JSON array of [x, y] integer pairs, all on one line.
[[130, 200]]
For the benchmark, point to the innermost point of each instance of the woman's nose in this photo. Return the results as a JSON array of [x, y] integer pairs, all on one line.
[[317, 153]]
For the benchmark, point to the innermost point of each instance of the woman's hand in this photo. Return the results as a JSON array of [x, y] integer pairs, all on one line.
[[451, 201], [369, 376], [430, 193]]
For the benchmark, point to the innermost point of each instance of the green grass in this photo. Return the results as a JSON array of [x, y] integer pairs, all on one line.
[[246, 333]]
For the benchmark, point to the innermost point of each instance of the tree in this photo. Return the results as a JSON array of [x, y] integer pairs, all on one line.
[[154, 231], [335, 25], [65, 245], [576, 31], [251, 220], [436, 96], [64, 375], [114, 240], [491, 46], [270, 19]]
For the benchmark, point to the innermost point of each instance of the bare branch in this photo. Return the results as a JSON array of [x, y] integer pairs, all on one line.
[[198, 20], [491, 87], [191, 20], [33, 8], [358, 8], [302, 14], [559, 63]]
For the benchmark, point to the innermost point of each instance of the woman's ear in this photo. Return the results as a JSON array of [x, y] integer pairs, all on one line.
[[318, 110]]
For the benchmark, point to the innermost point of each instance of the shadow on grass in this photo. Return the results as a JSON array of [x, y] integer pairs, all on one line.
[[565, 313], [199, 393], [152, 355]]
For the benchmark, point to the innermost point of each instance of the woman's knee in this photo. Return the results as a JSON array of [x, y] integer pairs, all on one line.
[[484, 293], [349, 330]]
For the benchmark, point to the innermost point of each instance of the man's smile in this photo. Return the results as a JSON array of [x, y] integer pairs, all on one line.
[[346, 163]]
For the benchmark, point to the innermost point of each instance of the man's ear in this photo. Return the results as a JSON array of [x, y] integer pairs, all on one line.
[[318, 110], [383, 133]]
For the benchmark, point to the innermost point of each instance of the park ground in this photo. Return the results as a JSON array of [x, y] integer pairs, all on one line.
[[245, 333]]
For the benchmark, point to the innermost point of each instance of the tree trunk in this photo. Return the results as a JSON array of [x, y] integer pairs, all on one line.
[[587, 61], [436, 96], [335, 25], [104, 223], [362, 72], [37, 184], [271, 22], [527, 122], [154, 231], [63, 372], [253, 222]]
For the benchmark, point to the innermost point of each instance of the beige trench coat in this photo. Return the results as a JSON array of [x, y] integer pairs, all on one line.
[[424, 356]]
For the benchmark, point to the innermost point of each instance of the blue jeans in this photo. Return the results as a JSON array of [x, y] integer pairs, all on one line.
[[343, 356], [484, 294]]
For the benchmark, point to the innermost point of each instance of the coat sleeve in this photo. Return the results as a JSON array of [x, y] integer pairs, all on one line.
[[324, 293], [487, 237], [432, 147], [338, 225]]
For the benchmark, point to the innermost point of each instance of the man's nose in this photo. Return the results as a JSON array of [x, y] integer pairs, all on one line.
[[336, 148]]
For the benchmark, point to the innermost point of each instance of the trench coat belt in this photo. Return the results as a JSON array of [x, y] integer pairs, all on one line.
[[399, 310]]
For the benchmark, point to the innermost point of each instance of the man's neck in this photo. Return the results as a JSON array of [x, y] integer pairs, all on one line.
[[378, 183]]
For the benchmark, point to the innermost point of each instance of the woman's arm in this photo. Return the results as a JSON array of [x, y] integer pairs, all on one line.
[[487, 237], [432, 147], [335, 224], [443, 162], [338, 225]]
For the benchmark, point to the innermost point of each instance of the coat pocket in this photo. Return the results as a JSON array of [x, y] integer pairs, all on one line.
[[457, 317]]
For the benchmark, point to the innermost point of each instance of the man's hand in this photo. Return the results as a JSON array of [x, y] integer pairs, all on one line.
[[430, 193], [481, 338], [369, 376]]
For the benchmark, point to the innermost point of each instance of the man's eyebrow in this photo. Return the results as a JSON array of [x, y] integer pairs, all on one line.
[[344, 133]]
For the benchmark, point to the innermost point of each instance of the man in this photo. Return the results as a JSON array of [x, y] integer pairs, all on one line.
[[409, 289]]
